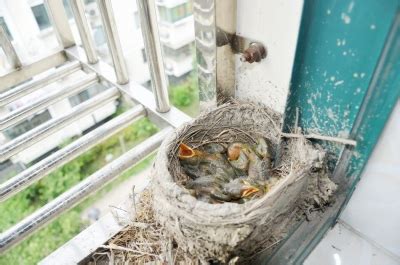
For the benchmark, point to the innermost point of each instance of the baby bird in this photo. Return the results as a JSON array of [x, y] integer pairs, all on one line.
[[239, 188], [260, 164], [238, 158], [198, 163], [239, 176], [206, 188]]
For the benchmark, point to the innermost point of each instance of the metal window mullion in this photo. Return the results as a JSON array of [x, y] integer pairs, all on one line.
[[113, 41], [22, 90], [9, 49], [15, 77], [35, 135], [59, 19], [134, 91], [78, 9], [66, 154], [80, 191], [215, 56], [151, 37], [24, 112]]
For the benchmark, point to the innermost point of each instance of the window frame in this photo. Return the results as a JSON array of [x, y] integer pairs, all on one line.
[[6, 28]]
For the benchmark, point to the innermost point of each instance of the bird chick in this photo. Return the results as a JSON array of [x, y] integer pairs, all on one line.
[[258, 168], [211, 194], [203, 181], [244, 187], [238, 158], [198, 163], [213, 148], [263, 148], [234, 188]]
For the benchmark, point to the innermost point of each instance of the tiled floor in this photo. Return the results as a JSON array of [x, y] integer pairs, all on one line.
[[341, 246], [369, 229]]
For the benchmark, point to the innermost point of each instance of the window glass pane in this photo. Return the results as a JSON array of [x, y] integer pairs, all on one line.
[[182, 52], [68, 9], [162, 11], [144, 55], [176, 13], [137, 20], [5, 27], [86, 94], [99, 35], [27, 124], [41, 16]]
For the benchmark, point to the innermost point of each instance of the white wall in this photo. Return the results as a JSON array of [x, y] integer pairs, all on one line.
[[276, 24]]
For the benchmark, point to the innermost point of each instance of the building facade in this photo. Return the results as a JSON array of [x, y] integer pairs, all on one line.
[[28, 25]]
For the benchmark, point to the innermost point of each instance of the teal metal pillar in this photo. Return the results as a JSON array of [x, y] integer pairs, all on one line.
[[345, 82]]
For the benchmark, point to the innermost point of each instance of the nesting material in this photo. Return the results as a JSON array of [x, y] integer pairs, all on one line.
[[231, 231], [144, 241]]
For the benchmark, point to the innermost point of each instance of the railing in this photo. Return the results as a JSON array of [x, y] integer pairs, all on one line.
[[153, 105]]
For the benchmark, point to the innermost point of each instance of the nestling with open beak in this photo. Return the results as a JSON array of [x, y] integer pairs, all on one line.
[[236, 173]]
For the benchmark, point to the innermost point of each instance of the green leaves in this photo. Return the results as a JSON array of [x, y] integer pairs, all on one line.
[[46, 240]]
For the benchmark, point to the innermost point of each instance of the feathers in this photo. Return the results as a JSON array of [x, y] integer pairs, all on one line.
[[219, 174]]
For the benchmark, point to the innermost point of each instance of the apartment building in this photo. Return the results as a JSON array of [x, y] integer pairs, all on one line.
[[177, 36], [28, 25]]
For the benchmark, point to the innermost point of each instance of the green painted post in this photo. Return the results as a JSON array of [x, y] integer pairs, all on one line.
[[345, 82]]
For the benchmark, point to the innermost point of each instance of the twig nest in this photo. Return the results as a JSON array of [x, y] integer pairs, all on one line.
[[221, 232]]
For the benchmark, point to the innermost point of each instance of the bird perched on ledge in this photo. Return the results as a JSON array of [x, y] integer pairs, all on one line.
[[220, 174]]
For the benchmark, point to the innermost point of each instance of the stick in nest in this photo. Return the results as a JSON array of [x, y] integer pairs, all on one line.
[[320, 137]]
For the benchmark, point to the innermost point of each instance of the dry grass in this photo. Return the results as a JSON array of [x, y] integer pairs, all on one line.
[[142, 242]]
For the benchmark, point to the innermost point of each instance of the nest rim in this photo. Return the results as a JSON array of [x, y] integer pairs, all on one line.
[[245, 208]]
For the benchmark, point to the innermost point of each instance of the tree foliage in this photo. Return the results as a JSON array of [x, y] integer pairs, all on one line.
[[185, 95], [46, 240]]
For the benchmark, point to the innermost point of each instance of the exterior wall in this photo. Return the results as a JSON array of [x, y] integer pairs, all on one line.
[[178, 34], [56, 110], [74, 129], [131, 39], [32, 42], [175, 35], [178, 67]]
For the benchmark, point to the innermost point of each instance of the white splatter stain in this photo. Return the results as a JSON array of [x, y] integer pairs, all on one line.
[[362, 75], [355, 75], [350, 7], [338, 83], [344, 53], [343, 134], [329, 97], [340, 42], [331, 114], [332, 78], [346, 18], [328, 12], [372, 27], [324, 74]]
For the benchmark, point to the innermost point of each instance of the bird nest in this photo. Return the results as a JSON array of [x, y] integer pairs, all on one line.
[[223, 232]]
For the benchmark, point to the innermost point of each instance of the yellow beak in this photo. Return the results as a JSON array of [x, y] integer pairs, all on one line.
[[186, 152]]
